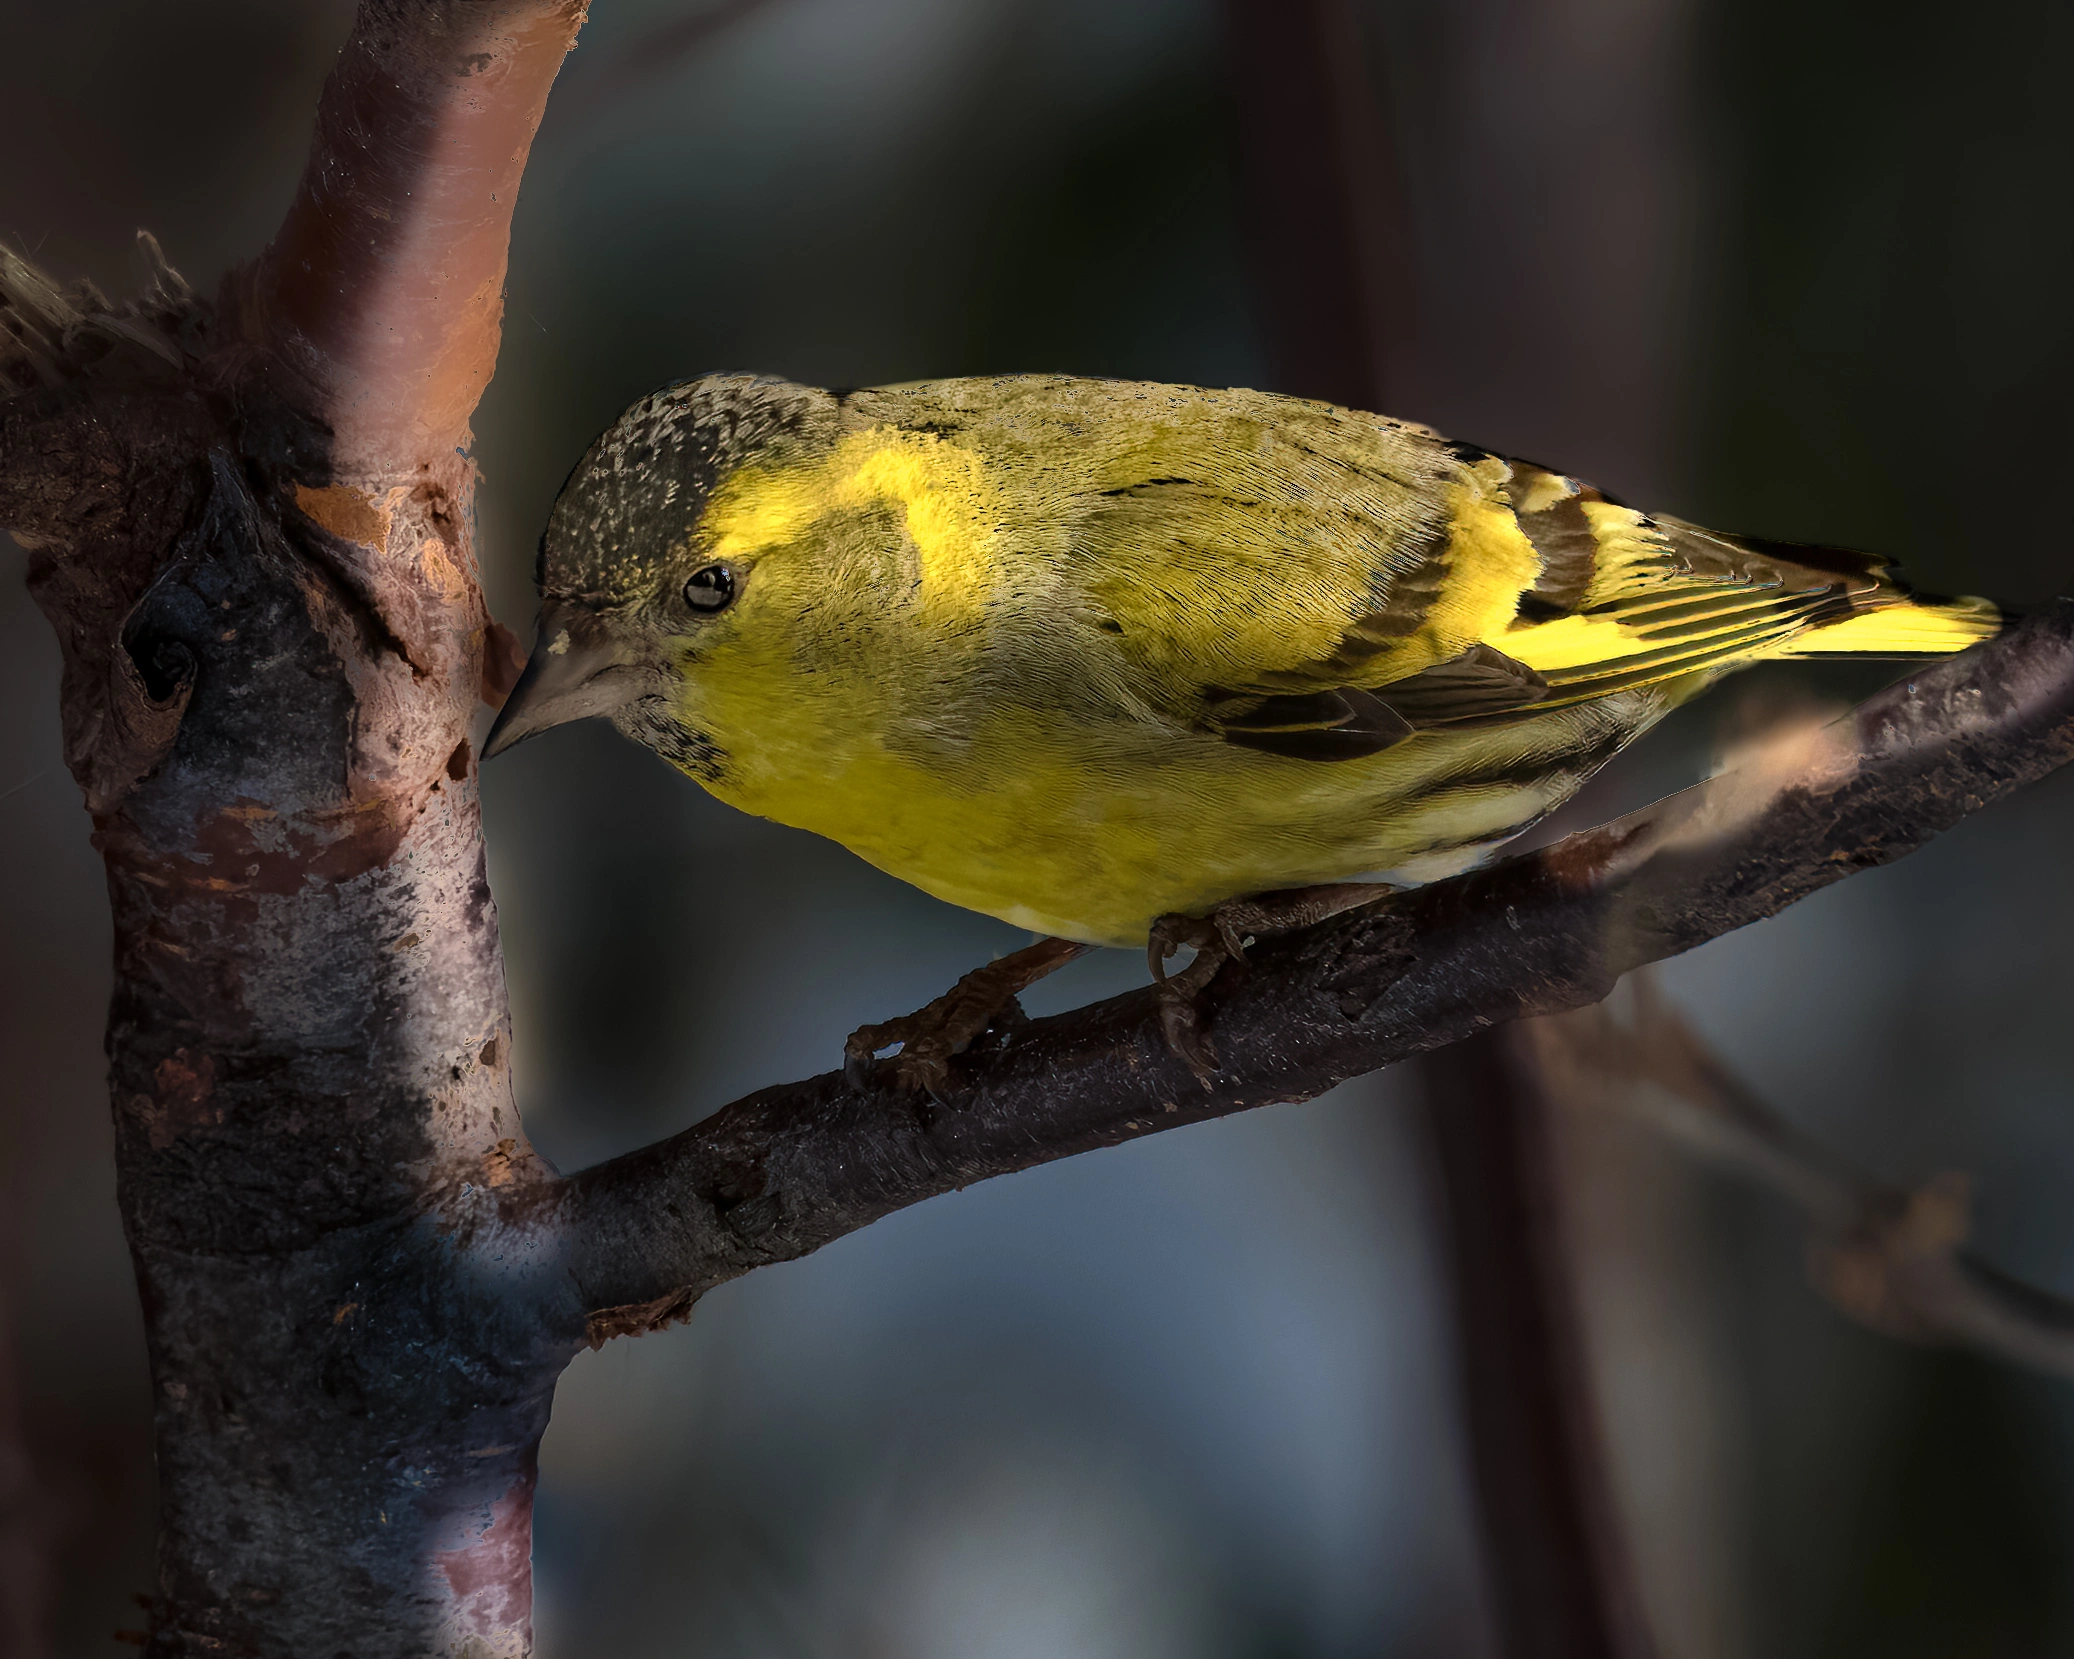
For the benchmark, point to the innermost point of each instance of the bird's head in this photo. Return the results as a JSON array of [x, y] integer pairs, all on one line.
[[636, 589]]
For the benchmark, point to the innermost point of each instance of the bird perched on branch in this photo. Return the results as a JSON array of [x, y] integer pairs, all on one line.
[[1120, 662]]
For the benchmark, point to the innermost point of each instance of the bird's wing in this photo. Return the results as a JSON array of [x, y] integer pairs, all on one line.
[[1517, 591], [1309, 581], [1322, 583], [1628, 599]]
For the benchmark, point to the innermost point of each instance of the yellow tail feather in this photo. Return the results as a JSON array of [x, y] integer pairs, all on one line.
[[1907, 628]]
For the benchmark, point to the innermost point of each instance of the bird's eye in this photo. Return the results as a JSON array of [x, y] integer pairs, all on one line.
[[710, 588]]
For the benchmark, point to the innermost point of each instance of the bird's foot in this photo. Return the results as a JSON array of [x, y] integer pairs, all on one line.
[[1220, 938], [985, 999]]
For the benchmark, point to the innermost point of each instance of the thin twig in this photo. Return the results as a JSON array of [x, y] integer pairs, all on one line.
[[1890, 1257]]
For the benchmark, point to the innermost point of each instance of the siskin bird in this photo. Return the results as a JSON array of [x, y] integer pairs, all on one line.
[[1086, 654]]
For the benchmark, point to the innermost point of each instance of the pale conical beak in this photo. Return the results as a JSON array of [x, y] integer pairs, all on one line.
[[575, 673]]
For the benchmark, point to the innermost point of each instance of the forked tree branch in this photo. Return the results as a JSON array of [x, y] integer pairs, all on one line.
[[250, 524], [787, 1170], [1891, 1258]]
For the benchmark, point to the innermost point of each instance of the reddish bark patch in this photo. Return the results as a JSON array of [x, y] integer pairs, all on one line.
[[238, 856], [503, 1164], [492, 1577], [184, 1085], [353, 515], [385, 286], [503, 661], [639, 1318]]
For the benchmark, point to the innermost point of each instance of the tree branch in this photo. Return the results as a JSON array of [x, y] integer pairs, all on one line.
[[1560, 1583], [251, 529], [384, 289], [1892, 1259], [787, 1170]]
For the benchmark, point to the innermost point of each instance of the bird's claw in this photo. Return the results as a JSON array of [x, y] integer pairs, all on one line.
[[981, 1004], [923, 1065], [1216, 942], [1219, 941]]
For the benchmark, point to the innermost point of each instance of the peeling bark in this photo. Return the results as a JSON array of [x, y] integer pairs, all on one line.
[[250, 526]]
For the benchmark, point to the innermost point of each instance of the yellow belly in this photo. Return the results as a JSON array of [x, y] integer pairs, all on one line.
[[1093, 837]]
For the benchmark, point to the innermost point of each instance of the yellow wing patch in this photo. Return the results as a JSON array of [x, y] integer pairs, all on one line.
[[1666, 599], [1632, 556], [1913, 630], [1490, 563]]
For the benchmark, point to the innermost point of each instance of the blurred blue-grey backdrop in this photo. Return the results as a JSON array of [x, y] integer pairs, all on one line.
[[1798, 269]]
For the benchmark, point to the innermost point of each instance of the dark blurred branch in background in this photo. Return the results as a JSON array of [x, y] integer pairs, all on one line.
[[1561, 1582], [1327, 235], [1334, 267], [1890, 1258], [24, 1533]]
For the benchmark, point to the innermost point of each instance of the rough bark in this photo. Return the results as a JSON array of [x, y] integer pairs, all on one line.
[[250, 527]]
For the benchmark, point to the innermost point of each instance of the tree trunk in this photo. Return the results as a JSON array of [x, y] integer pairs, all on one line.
[[257, 556]]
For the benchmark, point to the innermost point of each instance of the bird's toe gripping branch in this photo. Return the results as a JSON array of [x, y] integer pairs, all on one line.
[[1220, 938], [984, 999]]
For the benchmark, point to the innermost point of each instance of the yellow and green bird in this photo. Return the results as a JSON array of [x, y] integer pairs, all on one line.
[[1083, 654]]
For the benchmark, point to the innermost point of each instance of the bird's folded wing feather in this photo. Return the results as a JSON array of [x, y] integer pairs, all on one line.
[[1371, 581]]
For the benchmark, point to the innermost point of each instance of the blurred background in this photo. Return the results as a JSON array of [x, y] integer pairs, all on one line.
[[1798, 269]]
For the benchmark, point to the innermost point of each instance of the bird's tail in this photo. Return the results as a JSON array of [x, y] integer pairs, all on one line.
[[1869, 612], [1893, 622]]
